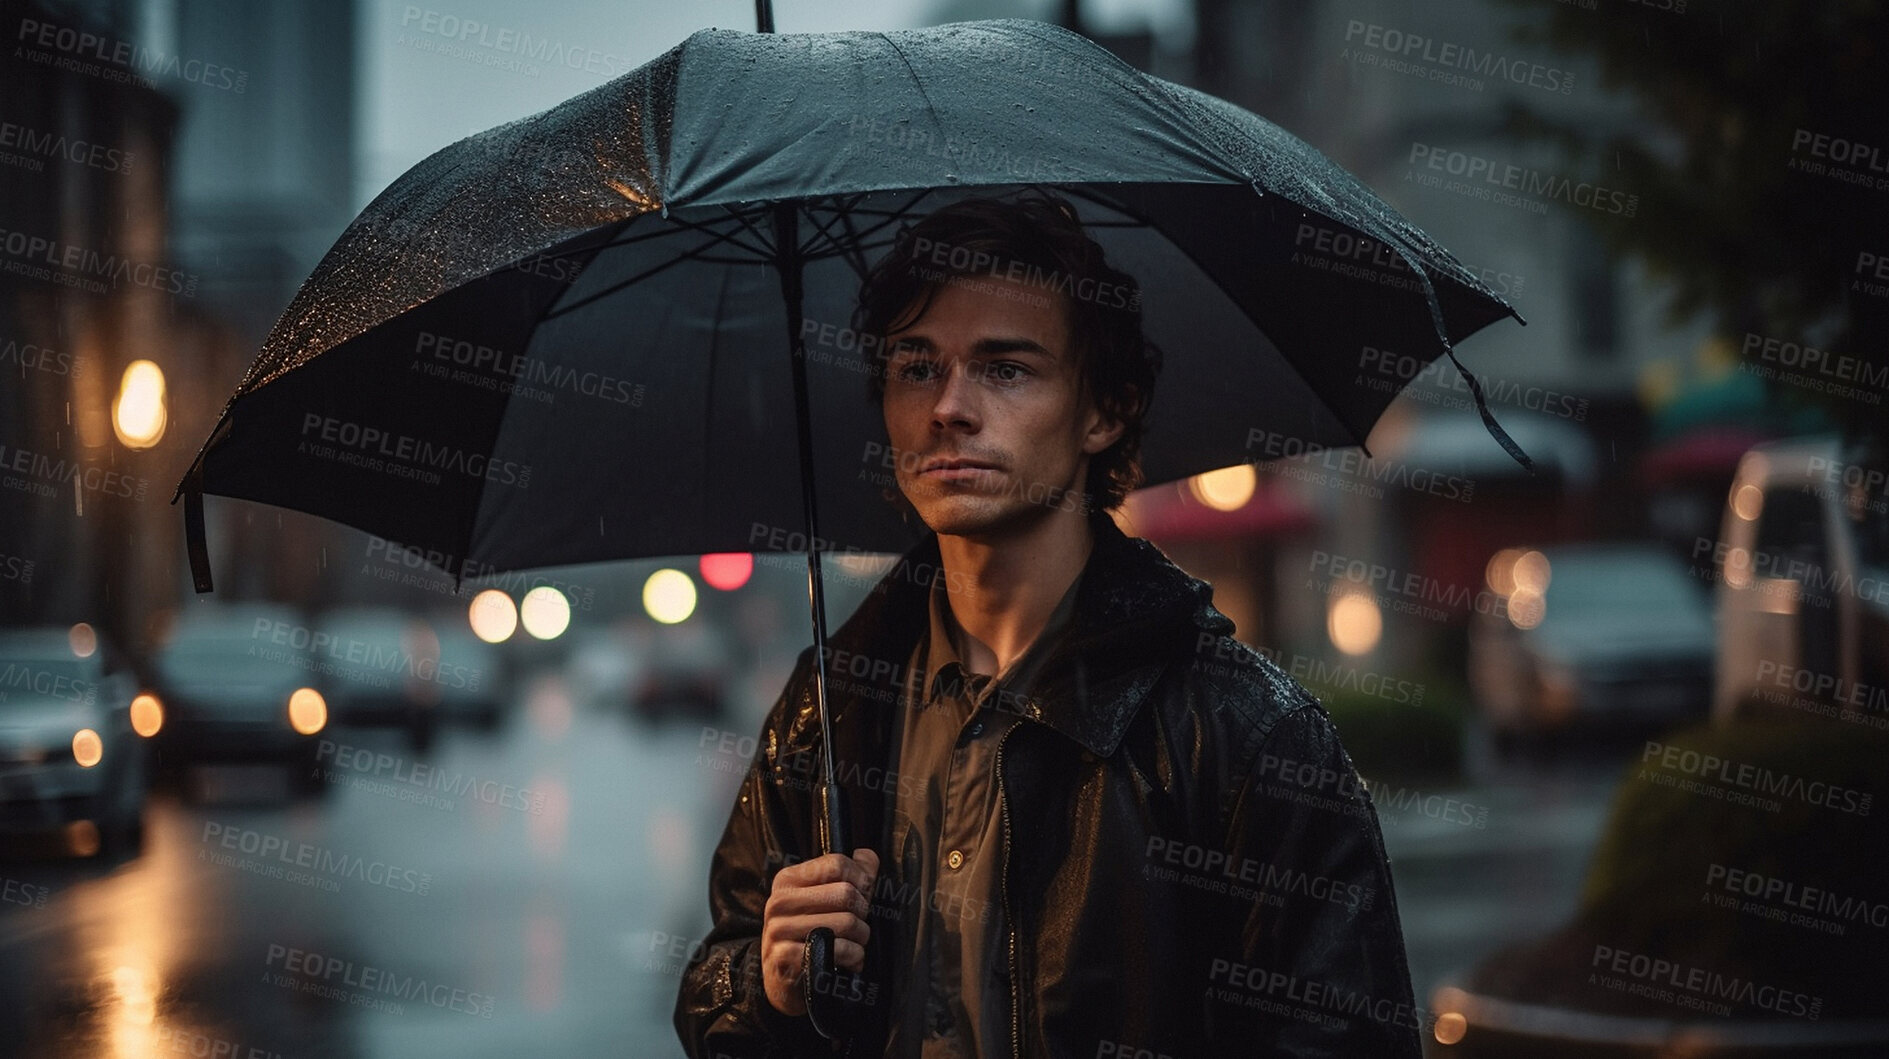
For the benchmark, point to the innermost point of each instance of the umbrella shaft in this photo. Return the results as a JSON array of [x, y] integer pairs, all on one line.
[[787, 259]]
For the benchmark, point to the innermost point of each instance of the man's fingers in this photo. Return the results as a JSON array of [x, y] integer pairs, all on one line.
[[849, 955], [869, 860], [815, 900], [830, 867]]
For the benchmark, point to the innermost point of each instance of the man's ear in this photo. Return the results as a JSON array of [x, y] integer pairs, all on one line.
[[1102, 431]]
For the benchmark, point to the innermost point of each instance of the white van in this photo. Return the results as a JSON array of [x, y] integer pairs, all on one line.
[[1802, 565]]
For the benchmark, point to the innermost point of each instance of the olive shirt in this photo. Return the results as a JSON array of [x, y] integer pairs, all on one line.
[[945, 862]]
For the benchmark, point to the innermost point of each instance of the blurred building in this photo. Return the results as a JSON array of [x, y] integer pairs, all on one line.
[[169, 170]]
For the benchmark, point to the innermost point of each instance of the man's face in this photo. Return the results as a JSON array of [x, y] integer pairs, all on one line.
[[986, 383]]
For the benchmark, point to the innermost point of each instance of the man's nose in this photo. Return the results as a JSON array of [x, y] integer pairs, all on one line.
[[957, 397]]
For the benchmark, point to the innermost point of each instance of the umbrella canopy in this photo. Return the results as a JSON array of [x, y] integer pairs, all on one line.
[[565, 340]]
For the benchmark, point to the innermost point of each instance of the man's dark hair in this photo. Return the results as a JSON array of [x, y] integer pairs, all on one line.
[[1038, 240]]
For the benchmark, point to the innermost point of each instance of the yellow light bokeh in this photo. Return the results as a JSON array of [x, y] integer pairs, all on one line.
[[1227, 489], [308, 711], [1450, 1027], [1532, 573], [138, 412], [147, 714], [1354, 623], [669, 596], [545, 612], [1748, 502], [83, 638], [1526, 608], [87, 748], [493, 616], [1500, 572]]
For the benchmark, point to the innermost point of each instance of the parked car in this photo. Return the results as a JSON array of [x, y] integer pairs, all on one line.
[[1600, 638], [379, 666], [471, 682], [1802, 565], [685, 673], [236, 684], [69, 751]]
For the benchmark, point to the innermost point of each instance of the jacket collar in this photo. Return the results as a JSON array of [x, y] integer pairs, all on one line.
[[1134, 609]]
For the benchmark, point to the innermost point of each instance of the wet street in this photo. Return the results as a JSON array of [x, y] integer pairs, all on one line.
[[515, 892], [535, 890]]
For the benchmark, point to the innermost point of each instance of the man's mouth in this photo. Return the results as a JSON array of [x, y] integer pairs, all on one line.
[[951, 467]]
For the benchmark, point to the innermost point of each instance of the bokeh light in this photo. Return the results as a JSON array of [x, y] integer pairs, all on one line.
[[493, 616], [545, 612], [669, 596]]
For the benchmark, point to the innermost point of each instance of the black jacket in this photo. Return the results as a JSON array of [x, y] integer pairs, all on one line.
[[1165, 768]]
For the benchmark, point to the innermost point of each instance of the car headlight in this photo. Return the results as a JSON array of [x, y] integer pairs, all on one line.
[[87, 748], [147, 714], [308, 711]]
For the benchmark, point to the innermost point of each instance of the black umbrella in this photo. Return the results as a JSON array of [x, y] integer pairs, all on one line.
[[560, 340]]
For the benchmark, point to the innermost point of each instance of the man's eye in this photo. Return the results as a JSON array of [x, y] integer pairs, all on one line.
[[1007, 371], [915, 370]]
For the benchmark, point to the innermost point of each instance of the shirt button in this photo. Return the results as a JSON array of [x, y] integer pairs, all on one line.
[[955, 859]]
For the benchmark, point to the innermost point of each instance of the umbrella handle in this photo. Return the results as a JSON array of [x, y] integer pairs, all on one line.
[[836, 999]]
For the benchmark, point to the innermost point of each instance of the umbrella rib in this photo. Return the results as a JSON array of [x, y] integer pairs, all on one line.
[[691, 255], [825, 229], [1337, 416]]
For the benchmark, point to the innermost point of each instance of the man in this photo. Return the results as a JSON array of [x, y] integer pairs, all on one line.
[[1091, 823]]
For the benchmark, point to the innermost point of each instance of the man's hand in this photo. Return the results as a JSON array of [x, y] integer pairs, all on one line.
[[833, 891]]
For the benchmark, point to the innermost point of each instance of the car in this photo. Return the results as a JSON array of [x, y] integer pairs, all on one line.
[[379, 666], [1593, 638], [70, 752], [470, 680], [236, 684], [685, 672], [1802, 570]]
